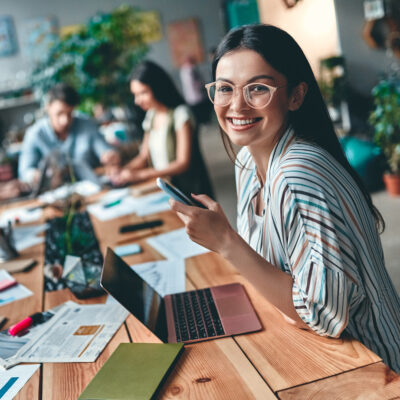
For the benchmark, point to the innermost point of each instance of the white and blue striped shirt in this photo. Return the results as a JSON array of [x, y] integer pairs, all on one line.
[[318, 228]]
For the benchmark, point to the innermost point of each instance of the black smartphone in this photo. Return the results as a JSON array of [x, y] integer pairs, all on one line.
[[177, 194]]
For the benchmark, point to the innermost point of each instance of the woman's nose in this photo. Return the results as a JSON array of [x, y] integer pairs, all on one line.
[[238, 101]]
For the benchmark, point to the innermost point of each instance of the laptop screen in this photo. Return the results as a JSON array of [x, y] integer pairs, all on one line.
[[129, 289]]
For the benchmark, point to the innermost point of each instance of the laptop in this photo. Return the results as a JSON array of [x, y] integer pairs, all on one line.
[[187, 317], [35, 191]]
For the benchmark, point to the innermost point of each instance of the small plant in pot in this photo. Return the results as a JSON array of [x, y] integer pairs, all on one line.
[[385, 119]]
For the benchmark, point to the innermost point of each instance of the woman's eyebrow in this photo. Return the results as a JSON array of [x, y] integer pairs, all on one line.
[[225, 80], [252, 79], [257, 77]]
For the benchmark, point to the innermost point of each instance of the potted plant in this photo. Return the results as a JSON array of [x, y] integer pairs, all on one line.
[[98, 58], [385, 119]]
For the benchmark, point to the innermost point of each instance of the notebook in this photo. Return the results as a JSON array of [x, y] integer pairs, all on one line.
[[135, 371], [187, 317]]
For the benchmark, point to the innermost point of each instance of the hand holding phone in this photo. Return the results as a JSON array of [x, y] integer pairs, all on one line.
[[177, 194]]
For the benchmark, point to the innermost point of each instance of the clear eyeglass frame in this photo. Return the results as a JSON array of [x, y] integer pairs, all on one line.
[[245, 92]]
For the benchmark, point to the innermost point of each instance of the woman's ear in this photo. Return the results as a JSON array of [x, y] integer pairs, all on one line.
[[297, 96]]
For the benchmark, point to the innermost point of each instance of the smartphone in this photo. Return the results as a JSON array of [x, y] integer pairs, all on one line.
[[176, 194]]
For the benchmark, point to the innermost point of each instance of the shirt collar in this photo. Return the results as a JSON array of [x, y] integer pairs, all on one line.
[[277, 153], [280, 149], [52, 134]]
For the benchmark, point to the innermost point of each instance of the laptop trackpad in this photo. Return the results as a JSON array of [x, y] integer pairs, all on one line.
[[230, 306]]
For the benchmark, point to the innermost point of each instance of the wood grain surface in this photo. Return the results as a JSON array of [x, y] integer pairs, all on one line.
[[280, 361], [284, 355], [373, 382]]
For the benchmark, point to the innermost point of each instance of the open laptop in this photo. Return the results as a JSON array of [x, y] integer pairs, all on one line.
[[36, 189], [187, 317]]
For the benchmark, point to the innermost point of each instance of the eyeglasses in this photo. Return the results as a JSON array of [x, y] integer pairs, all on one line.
[[256, 95]]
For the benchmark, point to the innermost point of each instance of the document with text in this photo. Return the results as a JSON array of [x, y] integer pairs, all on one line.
[[176, 244], [76, 333]]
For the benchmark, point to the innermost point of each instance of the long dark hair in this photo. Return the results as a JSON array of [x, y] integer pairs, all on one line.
[[311, 121], [160, 83]]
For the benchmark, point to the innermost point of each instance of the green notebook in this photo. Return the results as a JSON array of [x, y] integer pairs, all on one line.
[[134, 371]]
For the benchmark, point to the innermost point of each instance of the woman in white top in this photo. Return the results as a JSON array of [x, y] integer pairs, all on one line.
[[170, 146]]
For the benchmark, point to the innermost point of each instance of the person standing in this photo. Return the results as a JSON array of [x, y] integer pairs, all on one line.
[[193, 90]]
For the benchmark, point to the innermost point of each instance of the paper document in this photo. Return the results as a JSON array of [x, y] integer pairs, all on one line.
[[22, 215], [27, 236], [11, 345], [12, 380], [83, 188], [125, 206], [176, 244], [165, 276], [115, 194], [152, 203], [76, 333], [14, 293], [119, 202]]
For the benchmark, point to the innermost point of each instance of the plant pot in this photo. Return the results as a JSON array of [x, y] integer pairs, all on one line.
[[392, 184], [83, 244]]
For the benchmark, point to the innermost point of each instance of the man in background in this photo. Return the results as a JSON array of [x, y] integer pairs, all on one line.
[[194, 91], [70, 136]]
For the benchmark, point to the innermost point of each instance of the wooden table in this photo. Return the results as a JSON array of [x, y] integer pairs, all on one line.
[[280, 361]]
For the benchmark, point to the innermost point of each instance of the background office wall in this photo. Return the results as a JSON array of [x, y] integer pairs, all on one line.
[[311, 22], [364, 65], [73, 12]]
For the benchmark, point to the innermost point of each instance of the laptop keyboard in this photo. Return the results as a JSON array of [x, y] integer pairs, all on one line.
[[195, 315]]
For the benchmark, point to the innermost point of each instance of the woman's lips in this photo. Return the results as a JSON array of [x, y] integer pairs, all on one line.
[[242, 123]]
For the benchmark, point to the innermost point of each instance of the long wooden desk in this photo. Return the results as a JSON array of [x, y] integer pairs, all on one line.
[[280, 362]]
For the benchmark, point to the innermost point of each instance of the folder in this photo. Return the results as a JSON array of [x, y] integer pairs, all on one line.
[[135, 371]]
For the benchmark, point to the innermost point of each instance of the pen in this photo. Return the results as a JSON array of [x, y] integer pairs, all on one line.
[[36, 318], [112, 203], [141, 225]]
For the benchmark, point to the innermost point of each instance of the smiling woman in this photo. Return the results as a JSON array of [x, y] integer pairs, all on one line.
[[307, 229]]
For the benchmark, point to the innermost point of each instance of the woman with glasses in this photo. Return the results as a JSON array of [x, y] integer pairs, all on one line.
[[170, 146], [307, 229]]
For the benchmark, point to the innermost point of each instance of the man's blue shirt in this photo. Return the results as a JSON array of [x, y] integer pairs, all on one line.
[[84, 143]]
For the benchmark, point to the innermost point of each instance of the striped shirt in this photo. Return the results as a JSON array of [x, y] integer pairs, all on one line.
[[318, 228]]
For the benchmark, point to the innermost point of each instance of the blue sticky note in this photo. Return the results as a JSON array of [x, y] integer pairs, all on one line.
[[127, 250]]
